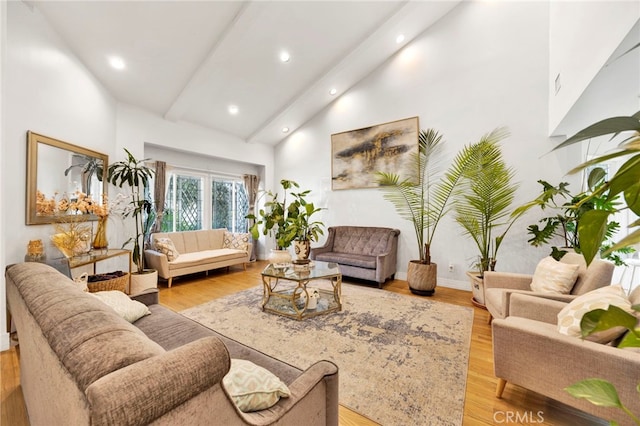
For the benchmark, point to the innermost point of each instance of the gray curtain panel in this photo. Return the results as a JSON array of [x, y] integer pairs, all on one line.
[[251, 183], [159, 192]]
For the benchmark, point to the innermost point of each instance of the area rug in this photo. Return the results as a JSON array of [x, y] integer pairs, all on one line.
[[402, 360]]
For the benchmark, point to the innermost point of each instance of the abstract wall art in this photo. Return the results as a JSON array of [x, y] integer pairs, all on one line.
[[357, 155]]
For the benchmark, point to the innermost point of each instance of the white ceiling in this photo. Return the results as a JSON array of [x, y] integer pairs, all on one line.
[[188, 61]]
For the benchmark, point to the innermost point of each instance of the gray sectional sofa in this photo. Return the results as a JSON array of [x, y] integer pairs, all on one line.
[[365, 252], [82, 364]]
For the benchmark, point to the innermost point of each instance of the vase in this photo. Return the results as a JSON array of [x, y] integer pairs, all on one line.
[[422, 278], [141, 281], [302, 248], [100, 239], [279, 256], [477, 289]]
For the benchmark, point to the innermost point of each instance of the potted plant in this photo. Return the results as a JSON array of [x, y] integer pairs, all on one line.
[[136, 175], [422, 198], [286, 222], [625, 183], [482, 202], [305, 229], [567, 211]]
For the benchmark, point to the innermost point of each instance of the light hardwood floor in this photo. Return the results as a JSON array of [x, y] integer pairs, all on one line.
[[481, 407]]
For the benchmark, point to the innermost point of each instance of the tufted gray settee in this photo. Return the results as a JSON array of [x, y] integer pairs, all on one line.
[[365, 252]]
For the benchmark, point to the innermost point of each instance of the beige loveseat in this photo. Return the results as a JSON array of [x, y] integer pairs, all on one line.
[[366, 252], [82, 364], [529, 351], [197, 251]]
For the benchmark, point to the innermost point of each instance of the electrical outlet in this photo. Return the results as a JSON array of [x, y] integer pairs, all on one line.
[[450, 267]]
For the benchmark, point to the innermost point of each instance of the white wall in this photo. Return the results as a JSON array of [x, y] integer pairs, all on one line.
[[582, 36], [4, 336], [136, 127], [483, 65], [50, 92]]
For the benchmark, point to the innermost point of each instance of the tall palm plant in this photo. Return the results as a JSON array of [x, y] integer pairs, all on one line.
[[423, 196], [484, 196]]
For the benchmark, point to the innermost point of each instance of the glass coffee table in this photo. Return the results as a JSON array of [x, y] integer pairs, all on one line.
[[287, 290]]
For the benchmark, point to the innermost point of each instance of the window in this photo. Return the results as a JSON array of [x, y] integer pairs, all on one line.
[[229, 205], [203, 201]]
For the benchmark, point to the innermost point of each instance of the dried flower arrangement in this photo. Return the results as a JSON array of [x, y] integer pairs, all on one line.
[[73, 234]]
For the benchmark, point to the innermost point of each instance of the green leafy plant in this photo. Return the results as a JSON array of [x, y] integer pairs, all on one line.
[[484, 197], [287, 222], [423, 196], [566, 212], [592, 230], [136, 175], [598, 391]]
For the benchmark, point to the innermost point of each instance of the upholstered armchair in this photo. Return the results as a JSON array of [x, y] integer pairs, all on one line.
[[499, 286], [529, 351]]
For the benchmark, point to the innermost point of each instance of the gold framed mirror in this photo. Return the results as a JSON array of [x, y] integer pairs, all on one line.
[[58, 170]]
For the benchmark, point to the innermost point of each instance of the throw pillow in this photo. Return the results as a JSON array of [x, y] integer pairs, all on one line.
[[166, 247], [131, 310], [82, 281], [570, 316], [236, 241], [252, 387], [554, 277]]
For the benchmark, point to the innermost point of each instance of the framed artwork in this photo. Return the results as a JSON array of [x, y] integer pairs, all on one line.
[[357, 155]]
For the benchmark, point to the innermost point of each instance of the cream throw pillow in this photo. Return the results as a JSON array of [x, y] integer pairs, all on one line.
[[131, 310], [166, 247], [570, 316], [554, 277], [252, 387]]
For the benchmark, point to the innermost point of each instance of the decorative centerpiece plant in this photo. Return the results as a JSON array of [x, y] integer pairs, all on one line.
[[136, 175], [287, 222], [423, 199]]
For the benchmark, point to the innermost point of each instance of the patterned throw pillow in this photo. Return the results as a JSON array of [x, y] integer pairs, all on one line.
[[570, 316], [554, 277], [252, 387], [166, 247], [236, 241]]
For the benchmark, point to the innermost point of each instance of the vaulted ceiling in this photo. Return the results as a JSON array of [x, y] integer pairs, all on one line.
[[190, 61]]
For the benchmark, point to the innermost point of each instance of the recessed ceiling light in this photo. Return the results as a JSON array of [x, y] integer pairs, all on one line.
[[285, 129], [117, 62], [333, 91], [233, 109], [284, 56], [400, 38]]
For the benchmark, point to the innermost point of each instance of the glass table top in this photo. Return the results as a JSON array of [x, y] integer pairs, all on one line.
[[315, 269]]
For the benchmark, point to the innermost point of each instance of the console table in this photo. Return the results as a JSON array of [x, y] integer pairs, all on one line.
[[91, 258]]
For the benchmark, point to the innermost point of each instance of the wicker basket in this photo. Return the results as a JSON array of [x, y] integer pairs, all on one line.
[[117, 283]]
